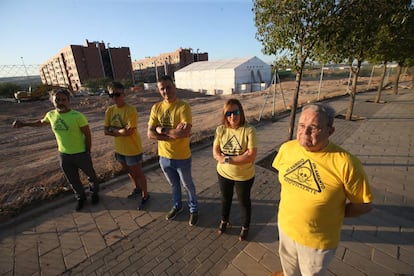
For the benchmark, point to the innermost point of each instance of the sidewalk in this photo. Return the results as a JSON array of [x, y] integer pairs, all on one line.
[[114, 238]]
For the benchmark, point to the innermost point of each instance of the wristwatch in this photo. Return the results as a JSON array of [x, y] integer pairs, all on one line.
[[227, 160]]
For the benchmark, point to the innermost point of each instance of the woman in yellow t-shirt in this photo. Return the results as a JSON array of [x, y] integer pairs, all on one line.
[[235, 148]]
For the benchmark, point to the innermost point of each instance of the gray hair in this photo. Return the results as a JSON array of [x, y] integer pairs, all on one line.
[[326, 110]]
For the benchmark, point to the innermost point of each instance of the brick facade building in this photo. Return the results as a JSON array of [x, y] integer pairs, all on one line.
[[151, 68], [75, 64]]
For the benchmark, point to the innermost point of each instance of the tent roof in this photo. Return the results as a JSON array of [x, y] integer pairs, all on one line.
[[217, 64]]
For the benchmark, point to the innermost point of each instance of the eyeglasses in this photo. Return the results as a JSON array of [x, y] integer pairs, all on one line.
[[311, 128], [234, 112], [116, 94]]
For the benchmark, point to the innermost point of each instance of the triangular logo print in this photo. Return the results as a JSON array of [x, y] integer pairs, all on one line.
[[60, 125], [232, 145], [304, 175]]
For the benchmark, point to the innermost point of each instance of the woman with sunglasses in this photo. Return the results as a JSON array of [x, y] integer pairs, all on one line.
[[235, 148], [121, 122]]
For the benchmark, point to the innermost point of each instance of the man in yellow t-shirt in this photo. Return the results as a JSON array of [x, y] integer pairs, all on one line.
[[73, 137], [121, 122], [170, 123], [321, 183]]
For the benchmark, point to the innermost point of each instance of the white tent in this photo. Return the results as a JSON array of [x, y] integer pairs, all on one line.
[[227, 76]]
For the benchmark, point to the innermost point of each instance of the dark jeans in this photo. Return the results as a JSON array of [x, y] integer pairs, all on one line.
[[243, 189], [70, 164]]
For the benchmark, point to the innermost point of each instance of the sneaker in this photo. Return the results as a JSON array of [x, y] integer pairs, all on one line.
[[193, 219], [143, 201], [135, 193], [79, 204], [173, 213], [95, 198]]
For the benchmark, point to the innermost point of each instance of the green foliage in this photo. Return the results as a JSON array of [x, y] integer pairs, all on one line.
[[7, 89], [291, 27], [395, 36]]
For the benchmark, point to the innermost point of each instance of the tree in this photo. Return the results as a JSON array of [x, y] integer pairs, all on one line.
[[292, 26], [353, 32], [403, 38], [7, 89], [394, 39]]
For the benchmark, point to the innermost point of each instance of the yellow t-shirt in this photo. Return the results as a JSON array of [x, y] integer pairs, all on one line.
[[121, 117], [315, 187], [236, 142], [169, 115], [66, 127]]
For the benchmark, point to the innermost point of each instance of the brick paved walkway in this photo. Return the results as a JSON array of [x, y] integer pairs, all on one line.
[[113, 238]]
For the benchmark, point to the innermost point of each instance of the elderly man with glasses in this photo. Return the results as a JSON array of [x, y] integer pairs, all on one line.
[[321, 183]]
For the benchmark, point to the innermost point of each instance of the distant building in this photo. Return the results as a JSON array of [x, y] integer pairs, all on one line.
[[151, 68], [75, 64], [227, 76]]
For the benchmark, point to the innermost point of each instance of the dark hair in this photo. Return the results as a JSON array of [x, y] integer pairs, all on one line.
[[115, 85], [326, 110], [166, 78], [60, 90], [228, 103]]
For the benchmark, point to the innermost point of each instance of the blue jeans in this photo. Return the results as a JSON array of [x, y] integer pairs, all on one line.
[[177, 172]]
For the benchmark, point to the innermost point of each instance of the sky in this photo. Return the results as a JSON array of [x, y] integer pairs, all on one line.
[[34, 31]]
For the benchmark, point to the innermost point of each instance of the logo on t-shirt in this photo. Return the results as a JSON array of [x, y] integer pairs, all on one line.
[[305, 175], [116, 121], [166, 120], [232, 146], [60, 125]]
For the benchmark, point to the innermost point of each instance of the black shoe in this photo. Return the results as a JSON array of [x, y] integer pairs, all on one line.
[[243, 234], [193, 219], [223, 226], [135, 193], [173, 213], [95, 198], [143, 201], [79, 204]]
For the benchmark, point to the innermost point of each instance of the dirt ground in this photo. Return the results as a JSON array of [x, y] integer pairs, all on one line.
[[29, 170]]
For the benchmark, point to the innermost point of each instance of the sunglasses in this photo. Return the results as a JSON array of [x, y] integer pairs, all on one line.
[[116, 94], [234, 112]]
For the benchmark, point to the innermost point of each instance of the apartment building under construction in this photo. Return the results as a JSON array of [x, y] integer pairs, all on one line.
[[75, 64]]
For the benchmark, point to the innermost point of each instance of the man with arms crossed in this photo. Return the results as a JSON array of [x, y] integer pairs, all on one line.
[[170, 123]]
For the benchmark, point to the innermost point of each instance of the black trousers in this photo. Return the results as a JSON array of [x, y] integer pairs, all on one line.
[[71, 164], [243, 189]]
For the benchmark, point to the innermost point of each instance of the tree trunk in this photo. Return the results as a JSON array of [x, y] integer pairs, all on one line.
[[412, 82], [396, 80], [381, 84], [352, 94], [295, 103]]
